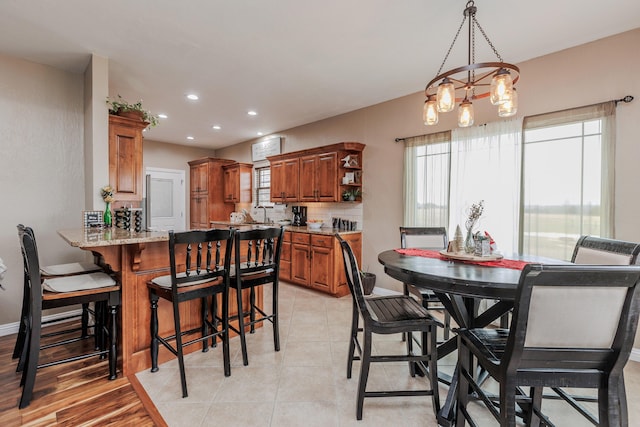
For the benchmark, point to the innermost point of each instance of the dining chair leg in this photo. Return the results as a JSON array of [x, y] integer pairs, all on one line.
[[276, 321], [364, 371], [31, 364], [225, 337], [412, 365], [432, 340], [243, 342], [154, 332], [113, 342], [204, 327], [176, 321], [352, 340], [252, 312], [214, 319], [535, 394], [462, 398], [507, 403]]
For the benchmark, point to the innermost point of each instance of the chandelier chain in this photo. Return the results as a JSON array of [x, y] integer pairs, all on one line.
[[451, 47], [487, 39]]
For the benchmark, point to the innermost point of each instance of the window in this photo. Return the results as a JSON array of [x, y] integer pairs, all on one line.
[[567, 179], [545, 182], [263, 186]]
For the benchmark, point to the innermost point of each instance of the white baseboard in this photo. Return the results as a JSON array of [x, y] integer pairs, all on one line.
[[12, 328], [635, 353]]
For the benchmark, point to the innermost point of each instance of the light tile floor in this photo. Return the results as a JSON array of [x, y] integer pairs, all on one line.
[[305, 382]]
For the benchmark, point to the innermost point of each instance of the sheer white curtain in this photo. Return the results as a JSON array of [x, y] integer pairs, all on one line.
[[426, 180], [485, 165]]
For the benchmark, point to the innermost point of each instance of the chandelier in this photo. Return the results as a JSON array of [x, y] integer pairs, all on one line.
[[472, 81]]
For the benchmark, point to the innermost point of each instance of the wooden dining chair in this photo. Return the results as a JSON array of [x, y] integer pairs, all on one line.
[[199, 262], [51, 272], [426, 238], [256, 263], [96, 288], [559, 337], [387, 315], [602, 251]]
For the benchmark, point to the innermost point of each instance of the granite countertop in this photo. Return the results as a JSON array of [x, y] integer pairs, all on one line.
[[298, 229], [95, 237]]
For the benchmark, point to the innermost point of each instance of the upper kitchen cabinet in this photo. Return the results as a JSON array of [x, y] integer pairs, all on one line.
[[284, 180], [125, 158], [207, 192], [238, 182], [324, 173]]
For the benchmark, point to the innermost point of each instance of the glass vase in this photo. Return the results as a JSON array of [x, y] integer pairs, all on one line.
[[469, 243], [107, 215]]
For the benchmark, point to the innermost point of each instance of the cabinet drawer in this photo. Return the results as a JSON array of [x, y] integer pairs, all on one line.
[[302, 238], [286, 236], [322, 241]]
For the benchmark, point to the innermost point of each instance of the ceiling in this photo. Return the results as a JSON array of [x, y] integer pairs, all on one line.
[[292, 61]]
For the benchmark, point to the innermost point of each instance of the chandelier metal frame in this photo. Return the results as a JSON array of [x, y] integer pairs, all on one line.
[[470, 82]]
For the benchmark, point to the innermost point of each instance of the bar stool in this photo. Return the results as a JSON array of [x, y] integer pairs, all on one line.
[[63, 292], [51, 272]]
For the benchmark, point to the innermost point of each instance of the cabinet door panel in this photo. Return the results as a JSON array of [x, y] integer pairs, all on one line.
[[321, 268], [308, 178], [327, 178], [277, 181], [291, 180], [300, 264]]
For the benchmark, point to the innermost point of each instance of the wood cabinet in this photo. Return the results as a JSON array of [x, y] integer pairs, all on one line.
[[319, 173], [285, 257], [318, 178], [207, 201], [316, 261], [238, 182], [125, 159], [285, 177]]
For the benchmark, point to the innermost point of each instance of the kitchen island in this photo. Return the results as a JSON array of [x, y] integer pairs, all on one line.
[[136, 258]]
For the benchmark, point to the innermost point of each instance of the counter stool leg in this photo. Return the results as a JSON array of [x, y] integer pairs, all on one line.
[[113, 338], [154, 332]]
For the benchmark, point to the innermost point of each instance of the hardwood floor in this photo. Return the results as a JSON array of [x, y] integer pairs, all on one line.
[[73, 394]]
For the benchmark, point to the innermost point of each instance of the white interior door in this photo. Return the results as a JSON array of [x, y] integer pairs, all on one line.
[[165, 199]]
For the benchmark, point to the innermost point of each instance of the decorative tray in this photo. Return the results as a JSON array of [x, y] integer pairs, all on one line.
[[461, 256]]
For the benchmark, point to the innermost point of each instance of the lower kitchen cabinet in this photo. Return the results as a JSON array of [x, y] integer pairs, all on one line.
[[316, 261]]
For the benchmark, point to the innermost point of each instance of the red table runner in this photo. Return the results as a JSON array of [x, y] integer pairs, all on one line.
[[428, 253]]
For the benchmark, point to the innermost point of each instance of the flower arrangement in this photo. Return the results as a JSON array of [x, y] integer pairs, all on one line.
[[107, 194], [475, 212], [119, 105]]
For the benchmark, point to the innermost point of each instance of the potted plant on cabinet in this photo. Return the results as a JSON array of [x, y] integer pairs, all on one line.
[[351, 194], [121, 107]]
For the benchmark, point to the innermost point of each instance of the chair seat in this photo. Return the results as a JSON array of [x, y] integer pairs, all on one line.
[[232, 272], [78, 283], [70, 268], [392, 311], [165, 281], [491, 343]]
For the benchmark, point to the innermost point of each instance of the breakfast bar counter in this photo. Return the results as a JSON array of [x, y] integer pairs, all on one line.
[[136, 258]]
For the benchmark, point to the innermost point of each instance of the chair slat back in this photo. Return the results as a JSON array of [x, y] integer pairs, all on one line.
[[258, 250], [31, 263], [204, 258], [353, 277], [558, 319], [423, 237], [601, 251]]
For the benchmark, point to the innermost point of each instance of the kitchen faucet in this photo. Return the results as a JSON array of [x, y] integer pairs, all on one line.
[[264, 221]]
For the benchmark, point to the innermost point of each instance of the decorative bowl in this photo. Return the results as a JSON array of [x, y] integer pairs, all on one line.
[[314, 225]]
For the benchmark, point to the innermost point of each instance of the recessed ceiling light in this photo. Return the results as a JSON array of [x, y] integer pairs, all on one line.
[[252, 113], [217, 127], [192, 96], [162, 116], [190, 138], [260, 133]]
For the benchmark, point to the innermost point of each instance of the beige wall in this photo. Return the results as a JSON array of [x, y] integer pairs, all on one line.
[[42, 115], [41, 166]]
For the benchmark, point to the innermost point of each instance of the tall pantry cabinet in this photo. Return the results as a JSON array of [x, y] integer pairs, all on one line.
[[207, 194]]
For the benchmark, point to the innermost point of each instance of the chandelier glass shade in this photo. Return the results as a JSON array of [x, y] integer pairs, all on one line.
[[467, 83]]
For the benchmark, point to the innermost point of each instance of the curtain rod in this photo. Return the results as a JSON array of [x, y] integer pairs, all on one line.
[[626, 100]]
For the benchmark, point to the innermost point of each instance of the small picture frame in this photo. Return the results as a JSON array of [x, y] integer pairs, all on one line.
[[349, 178], [357, 177], [92, 218]]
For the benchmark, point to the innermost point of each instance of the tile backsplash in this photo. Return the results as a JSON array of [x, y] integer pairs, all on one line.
[[324, 211]]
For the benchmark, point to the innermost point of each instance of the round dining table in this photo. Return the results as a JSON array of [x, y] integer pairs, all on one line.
[[461, 286]]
